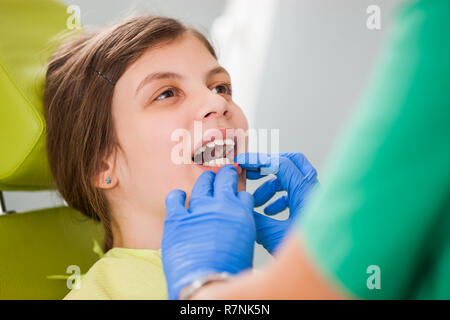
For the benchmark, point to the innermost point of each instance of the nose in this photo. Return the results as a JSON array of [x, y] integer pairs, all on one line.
[[212, 107]]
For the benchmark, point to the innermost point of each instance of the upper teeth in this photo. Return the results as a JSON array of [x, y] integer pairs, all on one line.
[[219, 158]]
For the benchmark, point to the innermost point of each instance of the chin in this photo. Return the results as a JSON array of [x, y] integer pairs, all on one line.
[[241, 175], [242, 182]]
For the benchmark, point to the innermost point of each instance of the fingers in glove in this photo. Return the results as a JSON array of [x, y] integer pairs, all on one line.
[[266, 191], [277, 206], [302, 163], [204, 186], [175, 201], [289, 175], [252, 160], [226, 181], [246, 198], [255, 174]]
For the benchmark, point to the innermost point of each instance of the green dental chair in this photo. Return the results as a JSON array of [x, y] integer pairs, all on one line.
[[34, 246]]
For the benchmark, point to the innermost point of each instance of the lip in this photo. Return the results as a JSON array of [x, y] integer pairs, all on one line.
[[216, 169]]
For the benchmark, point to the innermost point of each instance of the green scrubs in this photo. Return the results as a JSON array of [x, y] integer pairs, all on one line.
[[380, 226]]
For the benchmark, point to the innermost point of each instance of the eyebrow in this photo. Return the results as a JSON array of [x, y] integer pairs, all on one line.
[[171, 75]]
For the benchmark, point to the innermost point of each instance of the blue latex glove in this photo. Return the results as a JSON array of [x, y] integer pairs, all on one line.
[[294, 174], [215, 234]]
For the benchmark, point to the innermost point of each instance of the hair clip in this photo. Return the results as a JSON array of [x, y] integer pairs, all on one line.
[[101, 74]]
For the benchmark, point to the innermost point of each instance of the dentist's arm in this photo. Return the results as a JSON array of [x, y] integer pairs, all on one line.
[[291, 276]]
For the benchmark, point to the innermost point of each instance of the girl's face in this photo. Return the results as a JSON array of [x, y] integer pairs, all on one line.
[[157, 103]]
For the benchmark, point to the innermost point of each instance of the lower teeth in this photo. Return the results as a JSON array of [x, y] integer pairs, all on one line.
[[217, 162]]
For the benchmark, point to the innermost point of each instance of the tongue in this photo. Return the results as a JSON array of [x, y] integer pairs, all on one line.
[[218, 152]]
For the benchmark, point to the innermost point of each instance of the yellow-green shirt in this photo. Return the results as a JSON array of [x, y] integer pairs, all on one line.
[[123, 273]]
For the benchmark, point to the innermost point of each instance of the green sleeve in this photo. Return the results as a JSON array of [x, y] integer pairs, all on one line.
[[384, 201]]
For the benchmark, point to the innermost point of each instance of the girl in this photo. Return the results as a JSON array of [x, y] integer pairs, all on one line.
[[113, 101]]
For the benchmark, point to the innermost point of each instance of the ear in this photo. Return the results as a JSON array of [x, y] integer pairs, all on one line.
[[106, 178]]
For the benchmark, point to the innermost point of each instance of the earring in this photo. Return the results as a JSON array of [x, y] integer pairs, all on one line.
[[108, 180]]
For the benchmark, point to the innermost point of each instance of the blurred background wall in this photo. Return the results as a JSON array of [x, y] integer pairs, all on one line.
[[296, 66]]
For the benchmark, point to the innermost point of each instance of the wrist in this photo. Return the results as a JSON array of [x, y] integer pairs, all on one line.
[[191, 290], [211, 291]]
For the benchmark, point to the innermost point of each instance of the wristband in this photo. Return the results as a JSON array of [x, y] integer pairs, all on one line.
[[193, 287]]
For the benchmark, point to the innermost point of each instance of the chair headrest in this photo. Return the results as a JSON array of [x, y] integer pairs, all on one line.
[[27, 28]]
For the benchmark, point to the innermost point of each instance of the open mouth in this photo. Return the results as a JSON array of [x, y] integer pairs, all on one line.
[[214, 152]]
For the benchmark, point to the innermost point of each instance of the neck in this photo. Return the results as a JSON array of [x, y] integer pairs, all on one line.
[[138, 230]]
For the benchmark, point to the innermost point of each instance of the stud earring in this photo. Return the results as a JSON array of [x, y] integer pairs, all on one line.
[[108, 180]]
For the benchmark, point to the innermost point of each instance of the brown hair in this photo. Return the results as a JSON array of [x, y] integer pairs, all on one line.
[[77, 100]]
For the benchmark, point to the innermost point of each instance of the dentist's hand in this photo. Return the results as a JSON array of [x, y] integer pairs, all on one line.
[[215, 234], [294, 174]]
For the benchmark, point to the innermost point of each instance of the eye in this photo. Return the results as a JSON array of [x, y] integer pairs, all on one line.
[[169, 93], [223, 88]]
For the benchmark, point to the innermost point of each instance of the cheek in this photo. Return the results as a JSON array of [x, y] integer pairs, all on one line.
[[163, 170], [240, 120], [147, 145], [242, 123], [155, 153]]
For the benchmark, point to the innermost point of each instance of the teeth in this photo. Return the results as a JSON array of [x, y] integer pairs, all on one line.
[[229, 142], [229, 148], [199, 151], [220, 148], [219, 142], [217, 162]]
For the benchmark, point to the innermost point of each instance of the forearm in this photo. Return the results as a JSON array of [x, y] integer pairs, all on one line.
[[290, 276]]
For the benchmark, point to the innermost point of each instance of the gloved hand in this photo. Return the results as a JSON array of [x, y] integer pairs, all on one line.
[[294, 174], [215, 234]]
